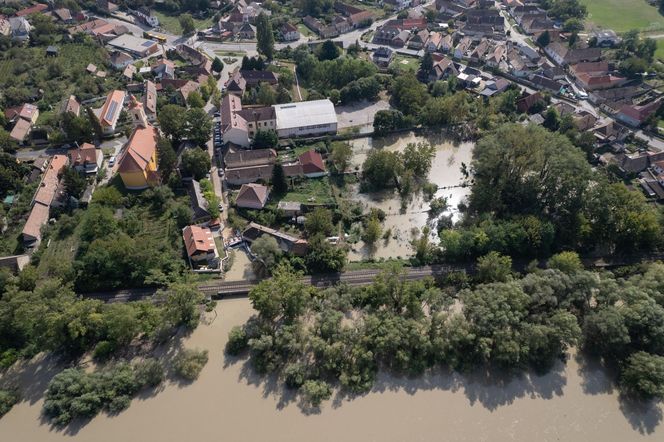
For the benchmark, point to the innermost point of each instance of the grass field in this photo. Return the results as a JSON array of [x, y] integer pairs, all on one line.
[[312, 190], [171, 24], [405, 62], [623, 15]]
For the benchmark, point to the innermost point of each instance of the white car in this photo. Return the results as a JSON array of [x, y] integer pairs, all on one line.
[[111, 162]]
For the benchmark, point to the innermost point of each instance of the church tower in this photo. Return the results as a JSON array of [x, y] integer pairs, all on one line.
[[137, 113]]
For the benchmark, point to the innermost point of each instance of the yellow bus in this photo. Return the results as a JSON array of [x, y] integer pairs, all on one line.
[[154, 36]]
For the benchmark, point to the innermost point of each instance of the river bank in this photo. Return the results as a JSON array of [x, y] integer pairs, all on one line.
[[229, 401]]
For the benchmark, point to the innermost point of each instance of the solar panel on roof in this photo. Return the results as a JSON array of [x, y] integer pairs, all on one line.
[[147, 44], [111, 110]]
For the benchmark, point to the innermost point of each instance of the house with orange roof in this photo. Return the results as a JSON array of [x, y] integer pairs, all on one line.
[[109, 113], [150, 101], [44, 197], [86, 159], [252, 196], [200, 246], [138, 162], [23, 117], [35, 9]]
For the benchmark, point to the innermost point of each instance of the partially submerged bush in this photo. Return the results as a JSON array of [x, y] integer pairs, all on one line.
[[189, 363]]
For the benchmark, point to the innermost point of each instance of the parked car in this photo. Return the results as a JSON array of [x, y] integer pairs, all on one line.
[[111, 162]]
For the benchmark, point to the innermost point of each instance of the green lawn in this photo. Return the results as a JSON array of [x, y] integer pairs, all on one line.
[[659, 53], [312, 190], [623, 15], [405, 62], [171, 24], [304, 30]]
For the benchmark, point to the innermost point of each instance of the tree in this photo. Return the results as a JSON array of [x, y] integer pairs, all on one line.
[[167, 158], [319, 221], [195, 162], [531, 171], [264, 36], [551, 119], [566, 262], [324, 256], [573, 25], [77, 128], [282, 296], [172, 121], [328, 51], [372, 231], [195, 100], [388, 120], [409, 95], [265, 139], [198, 126], [381, 169], [187, 24], [643, 375], [181, 304], [426, 67], [315, 392], [494, 267], [8, 398], [279, 183], [418, 158], [217, 65], [605, 332], [265, 94], [341, 155], [544, 39], [73, 181], [267, 250]]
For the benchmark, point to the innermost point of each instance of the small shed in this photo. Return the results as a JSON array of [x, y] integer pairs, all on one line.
[[52, 51]]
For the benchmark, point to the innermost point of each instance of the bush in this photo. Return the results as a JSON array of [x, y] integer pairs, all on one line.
[[8, 398], [103, 350], [644, 375], [237, 341], [149, 373], [74, 393], [295, 375], [189, 363], [315, 392]]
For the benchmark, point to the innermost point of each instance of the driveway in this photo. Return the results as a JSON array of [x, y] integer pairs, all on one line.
[[359, 114]]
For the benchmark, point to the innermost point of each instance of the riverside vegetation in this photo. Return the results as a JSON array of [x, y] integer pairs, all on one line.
[[316, 339]]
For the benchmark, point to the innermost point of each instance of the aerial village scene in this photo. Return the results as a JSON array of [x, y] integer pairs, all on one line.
[[331, 220]]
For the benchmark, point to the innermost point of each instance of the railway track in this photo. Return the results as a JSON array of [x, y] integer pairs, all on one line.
[[221, 289]]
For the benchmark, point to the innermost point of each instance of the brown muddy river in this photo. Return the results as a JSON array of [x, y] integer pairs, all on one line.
[[445, 172], [229, 403]]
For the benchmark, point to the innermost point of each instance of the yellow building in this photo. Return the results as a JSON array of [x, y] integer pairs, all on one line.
[[138, 164]]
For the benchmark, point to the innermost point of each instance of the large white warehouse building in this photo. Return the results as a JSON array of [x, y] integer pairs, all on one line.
[[305, 118]]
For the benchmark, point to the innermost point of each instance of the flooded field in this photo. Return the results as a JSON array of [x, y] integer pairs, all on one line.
[[445, 172], [229, 402]]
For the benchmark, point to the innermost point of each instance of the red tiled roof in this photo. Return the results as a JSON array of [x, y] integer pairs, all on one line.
[[39, 7], [198, 240], [140, 148], [86, 154], [312, 162], [252, 193], [50, 181]]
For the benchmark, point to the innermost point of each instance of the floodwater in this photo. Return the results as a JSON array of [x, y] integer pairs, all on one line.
[[241, 270], [445, 172], [573, 403]]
